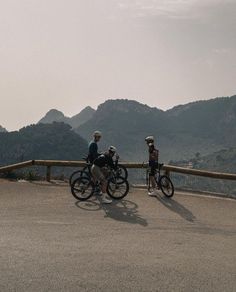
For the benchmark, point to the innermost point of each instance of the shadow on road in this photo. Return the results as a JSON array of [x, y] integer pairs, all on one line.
[[126, 211], [176, 207], [89, 205], [121, 210]]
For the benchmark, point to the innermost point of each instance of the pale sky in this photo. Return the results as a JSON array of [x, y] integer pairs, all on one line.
[[67, 54]]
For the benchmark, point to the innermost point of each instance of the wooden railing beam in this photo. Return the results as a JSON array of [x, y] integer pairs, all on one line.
[[130, 165], [16, 166], [60, 163]]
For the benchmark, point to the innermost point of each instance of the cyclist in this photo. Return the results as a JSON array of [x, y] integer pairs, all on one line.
[[153, 163], [93, 146], [99, 168]]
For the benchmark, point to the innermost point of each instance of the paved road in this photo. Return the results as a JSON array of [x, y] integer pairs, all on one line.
[[51, 243]]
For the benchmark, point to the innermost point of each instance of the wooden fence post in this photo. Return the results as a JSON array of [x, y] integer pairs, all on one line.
[[48, 174]]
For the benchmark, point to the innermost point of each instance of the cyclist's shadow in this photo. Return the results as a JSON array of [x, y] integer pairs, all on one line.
[[120, 210], [176, 207], [125, 211]]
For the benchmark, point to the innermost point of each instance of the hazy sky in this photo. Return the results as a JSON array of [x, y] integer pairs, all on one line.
[[68, 54]]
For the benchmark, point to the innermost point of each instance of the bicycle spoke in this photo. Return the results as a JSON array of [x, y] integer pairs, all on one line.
[[117, 190], [166, 186]]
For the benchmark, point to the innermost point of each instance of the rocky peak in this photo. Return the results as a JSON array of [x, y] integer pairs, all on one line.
[[53, 116], [2, 130]]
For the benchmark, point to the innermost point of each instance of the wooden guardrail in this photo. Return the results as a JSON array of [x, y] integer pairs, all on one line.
[[132, 165], [16, 166]]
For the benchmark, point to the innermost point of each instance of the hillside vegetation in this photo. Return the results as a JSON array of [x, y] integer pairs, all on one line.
[[42, 141], [220, 161]]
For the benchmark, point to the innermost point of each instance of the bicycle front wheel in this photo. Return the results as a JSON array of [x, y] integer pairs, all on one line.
[[117, 188], [75, 175], [166, 186], [122, 171], [82, 188]]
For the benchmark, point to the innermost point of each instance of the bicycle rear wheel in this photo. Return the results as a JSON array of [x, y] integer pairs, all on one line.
[[116, 189], [82, 188], [166, 186]]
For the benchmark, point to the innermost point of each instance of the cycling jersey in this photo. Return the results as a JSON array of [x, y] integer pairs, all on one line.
[[153, 161], [154, 155]]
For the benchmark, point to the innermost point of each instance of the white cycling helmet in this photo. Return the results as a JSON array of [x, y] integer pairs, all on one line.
[[112, 149], [149, 139], [97, 134]]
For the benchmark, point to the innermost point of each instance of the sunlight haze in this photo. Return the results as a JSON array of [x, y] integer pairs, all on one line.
[[70, 54]]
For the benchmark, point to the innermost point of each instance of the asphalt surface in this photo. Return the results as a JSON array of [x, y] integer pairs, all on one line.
[[50, 242]]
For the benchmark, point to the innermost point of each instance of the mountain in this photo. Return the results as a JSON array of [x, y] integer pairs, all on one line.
[[203, 126], [41, 141], [212, 119], [57, 116], [220, 161], [124, 123], [2, 130], [85, 115], [54, 116]]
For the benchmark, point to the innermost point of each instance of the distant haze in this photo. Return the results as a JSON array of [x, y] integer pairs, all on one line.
[[70, 54]]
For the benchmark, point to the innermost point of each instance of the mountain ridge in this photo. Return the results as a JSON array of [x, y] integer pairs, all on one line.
[[2, 129], [55, 115], [204, 126]]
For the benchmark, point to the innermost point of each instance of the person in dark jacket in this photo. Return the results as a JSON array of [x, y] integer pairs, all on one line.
[[98, 171], [153, 163], [93, 146]]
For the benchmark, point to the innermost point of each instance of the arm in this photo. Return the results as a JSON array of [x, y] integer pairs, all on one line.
[[110, 162]]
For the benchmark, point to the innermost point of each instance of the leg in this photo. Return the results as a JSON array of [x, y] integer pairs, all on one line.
[[104, 186], [153, 182], [105, 198], [94, 174], [98, 174]]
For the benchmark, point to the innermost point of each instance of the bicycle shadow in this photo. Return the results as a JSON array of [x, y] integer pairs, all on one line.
[[120, 210], [176, 207], [89, 205], [125, 211]]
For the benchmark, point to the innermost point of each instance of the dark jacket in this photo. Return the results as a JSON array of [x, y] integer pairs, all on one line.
[[93, 151], [104, 160]]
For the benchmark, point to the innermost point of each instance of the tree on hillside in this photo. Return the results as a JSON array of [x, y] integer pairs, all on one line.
[[41, 141]]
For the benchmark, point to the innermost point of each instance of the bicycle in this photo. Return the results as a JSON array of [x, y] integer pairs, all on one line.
[[121, 171], [84, 187], [163, 182]]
